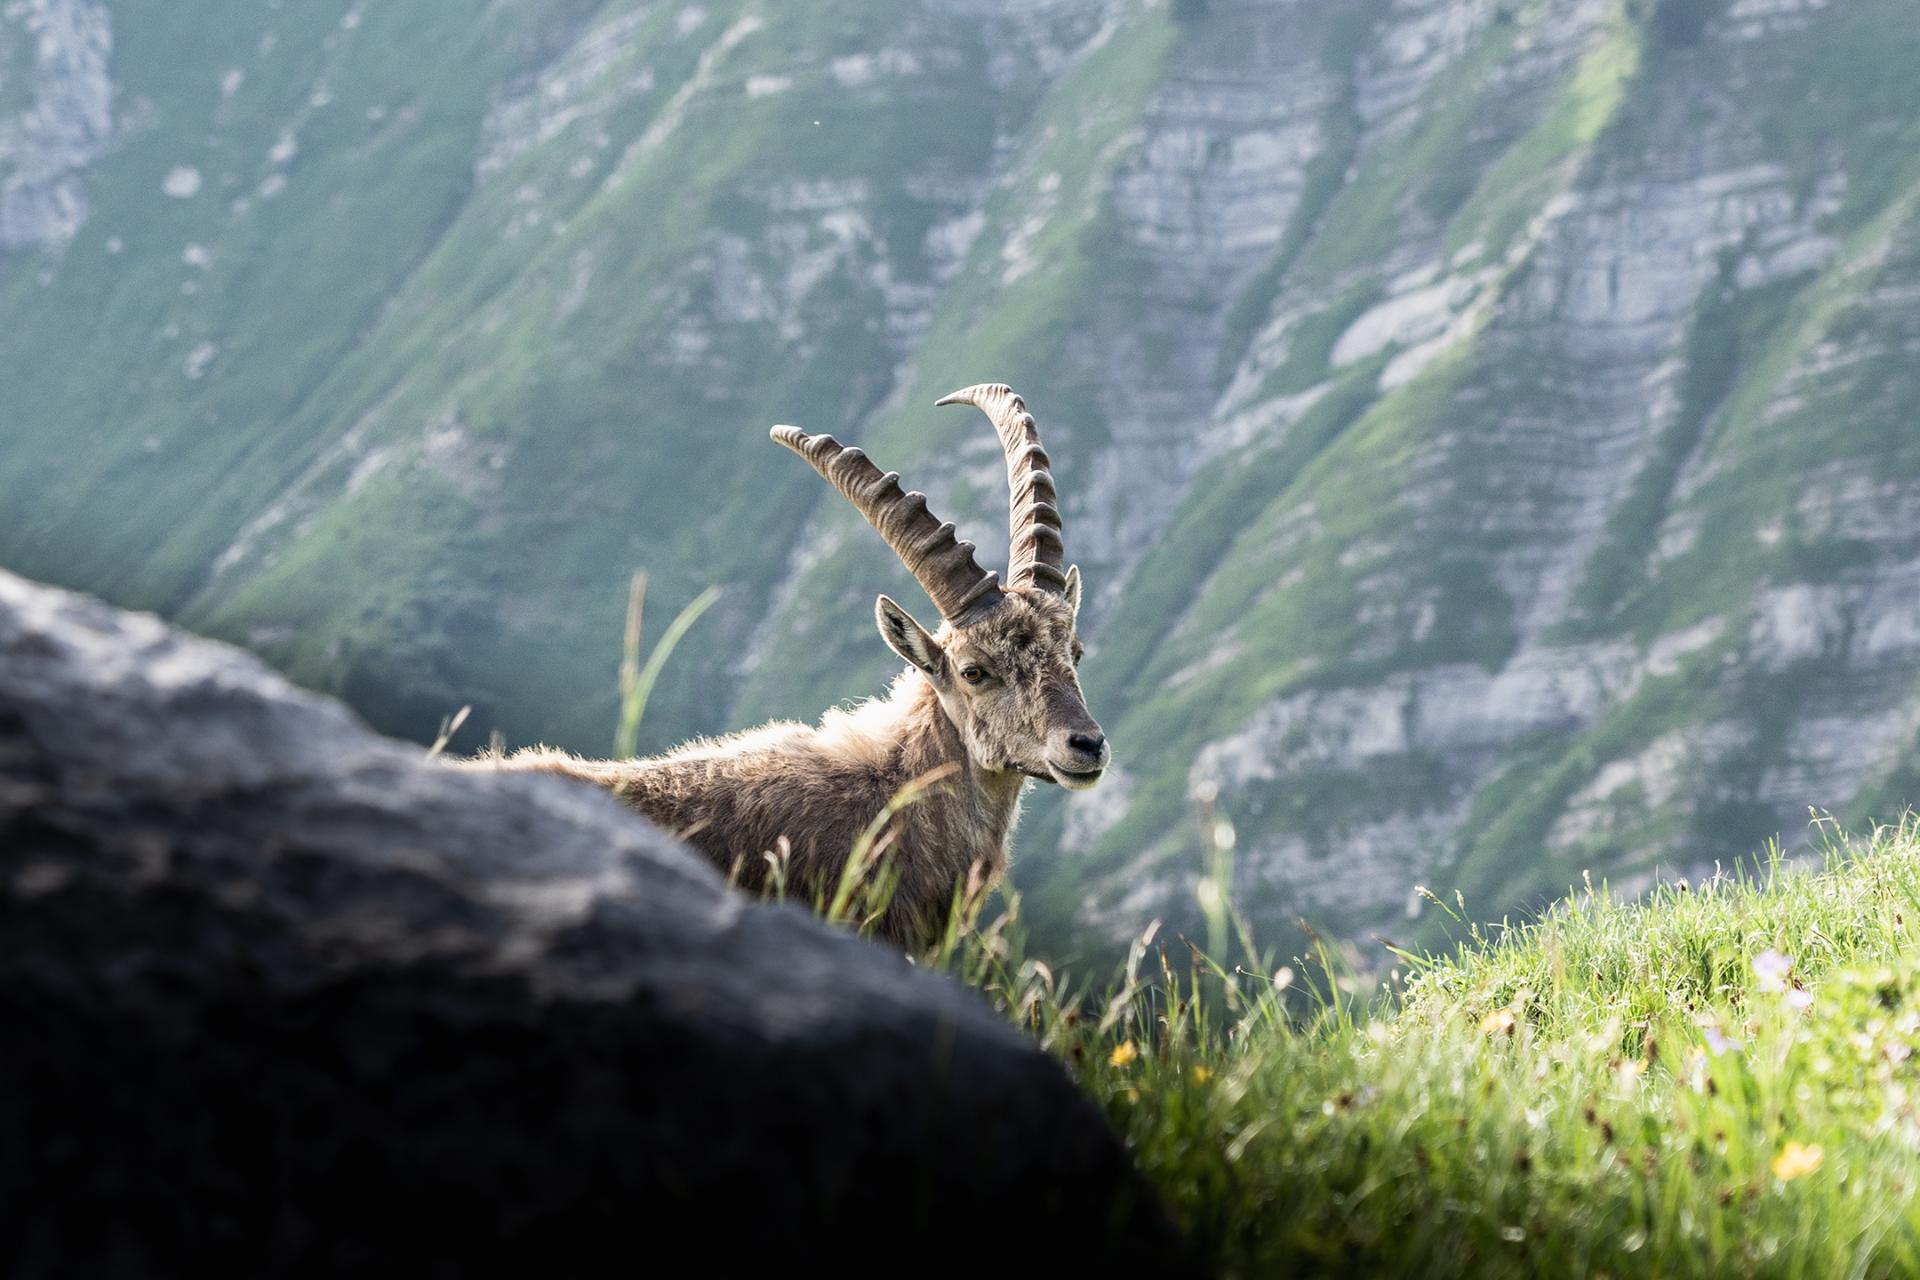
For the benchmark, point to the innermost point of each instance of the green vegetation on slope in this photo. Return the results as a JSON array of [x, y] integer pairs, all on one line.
[[476, 310], [1724, 1079], [1392, 548]]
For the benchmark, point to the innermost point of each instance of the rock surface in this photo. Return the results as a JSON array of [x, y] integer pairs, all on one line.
[[55, 121], [281, 997]]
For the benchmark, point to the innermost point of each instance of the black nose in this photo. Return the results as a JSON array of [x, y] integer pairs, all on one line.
[[1088, 744]]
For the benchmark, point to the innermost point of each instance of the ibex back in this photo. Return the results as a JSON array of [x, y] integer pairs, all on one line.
[[987, 702]]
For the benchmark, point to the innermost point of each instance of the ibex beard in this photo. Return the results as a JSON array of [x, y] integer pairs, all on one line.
[[988, 702]]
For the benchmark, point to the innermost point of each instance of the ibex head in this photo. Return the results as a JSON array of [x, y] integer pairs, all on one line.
[[1003, 659]]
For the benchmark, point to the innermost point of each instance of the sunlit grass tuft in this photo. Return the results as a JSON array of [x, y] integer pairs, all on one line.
[[1718, 1079], [637, 679]]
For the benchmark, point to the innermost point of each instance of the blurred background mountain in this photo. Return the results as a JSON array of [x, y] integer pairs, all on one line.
[[1487, 426]]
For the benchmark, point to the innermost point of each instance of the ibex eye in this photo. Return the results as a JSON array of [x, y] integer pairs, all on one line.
[[972, 675]]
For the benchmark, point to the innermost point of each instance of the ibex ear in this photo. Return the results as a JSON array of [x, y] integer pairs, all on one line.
[[1073, 590], [906, 637]]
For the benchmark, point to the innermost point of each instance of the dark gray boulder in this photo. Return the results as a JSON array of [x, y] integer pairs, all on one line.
[[280, 996]]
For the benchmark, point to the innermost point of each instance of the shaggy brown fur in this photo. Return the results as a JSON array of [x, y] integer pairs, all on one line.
[[813, 790], [988, 702]]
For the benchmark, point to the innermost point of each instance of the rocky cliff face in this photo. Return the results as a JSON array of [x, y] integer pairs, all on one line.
[[1483, 422], [56, 117]]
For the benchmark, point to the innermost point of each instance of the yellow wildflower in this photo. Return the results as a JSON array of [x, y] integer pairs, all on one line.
[[1202, 1074], [1123, 1053], [1796, 1161]]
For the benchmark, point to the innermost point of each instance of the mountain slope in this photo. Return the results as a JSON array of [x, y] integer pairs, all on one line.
[[1484, 423]]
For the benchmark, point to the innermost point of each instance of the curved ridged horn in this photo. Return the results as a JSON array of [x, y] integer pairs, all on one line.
[[943, 564], [1036, 555]]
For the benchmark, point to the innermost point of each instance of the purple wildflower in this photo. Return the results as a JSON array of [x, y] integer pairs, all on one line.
[[1772, 969]]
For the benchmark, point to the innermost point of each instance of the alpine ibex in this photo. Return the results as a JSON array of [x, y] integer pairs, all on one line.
[[987, 702]]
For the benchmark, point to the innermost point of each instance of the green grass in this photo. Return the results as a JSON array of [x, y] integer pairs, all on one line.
[[1717, 1080]]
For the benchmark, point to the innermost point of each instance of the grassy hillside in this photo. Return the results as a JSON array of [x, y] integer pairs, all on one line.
[[1486, 427], [1720, 1080]]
